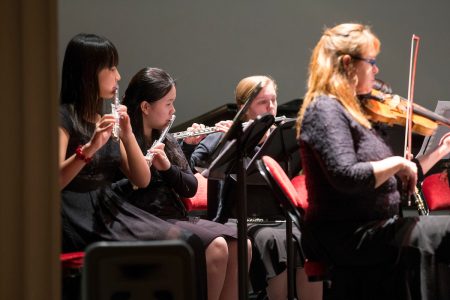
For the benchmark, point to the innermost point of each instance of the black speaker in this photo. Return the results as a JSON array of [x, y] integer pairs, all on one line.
[[160, 270]]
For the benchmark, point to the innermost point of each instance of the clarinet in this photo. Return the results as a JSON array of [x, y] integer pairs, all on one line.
[[149, 155], [115, 113]]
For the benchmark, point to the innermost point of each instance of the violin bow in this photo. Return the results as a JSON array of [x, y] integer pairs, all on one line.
[[422, 206], [412, 76]]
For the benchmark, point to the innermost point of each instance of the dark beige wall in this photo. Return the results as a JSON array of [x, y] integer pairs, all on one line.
[[29, 198], [209, 45]]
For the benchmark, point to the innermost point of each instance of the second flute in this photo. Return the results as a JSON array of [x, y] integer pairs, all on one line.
[[149, 155], [208, 130]]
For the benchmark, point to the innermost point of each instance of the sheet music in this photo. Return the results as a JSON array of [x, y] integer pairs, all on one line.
[[431, 142]]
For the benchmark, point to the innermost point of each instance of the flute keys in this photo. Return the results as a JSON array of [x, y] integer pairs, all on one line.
[[115, 113], [149, 157], [116, 128]]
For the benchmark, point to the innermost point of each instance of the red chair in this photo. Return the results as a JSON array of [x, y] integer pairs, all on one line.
[[71, 263], [316, 270], [436, 190], [294, 206], [199, 202], [71, 269], [300, 186]]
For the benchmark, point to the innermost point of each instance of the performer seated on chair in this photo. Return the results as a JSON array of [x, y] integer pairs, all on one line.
[[351, 174], [91, 209], [269, 239], [150, 98]]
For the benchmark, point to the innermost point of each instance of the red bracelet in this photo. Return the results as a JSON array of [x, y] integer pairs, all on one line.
[[80, 155]]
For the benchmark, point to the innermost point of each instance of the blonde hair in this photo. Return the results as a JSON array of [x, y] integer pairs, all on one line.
[[246, 86], [327, 74]]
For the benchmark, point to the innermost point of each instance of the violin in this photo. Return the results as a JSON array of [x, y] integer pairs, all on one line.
[[391, 109]]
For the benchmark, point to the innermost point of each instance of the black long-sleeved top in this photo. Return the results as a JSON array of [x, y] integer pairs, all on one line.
[[200, 155], [336, 151], [162, 196]]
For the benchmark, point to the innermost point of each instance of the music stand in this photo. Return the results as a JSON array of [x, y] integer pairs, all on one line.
[[225, 162], [282, 146], [231, 160], [236, 128], [236, 133]]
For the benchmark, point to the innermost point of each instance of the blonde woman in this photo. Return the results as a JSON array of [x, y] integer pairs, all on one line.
[[352, 176], [268, 269]]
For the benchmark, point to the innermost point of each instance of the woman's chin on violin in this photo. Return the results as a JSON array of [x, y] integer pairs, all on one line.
[[382, 106]]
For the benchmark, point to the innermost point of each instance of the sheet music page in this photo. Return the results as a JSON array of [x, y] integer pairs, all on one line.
[[431, 142]]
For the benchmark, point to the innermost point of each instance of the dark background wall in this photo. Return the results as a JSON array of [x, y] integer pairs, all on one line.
[[208, 46]]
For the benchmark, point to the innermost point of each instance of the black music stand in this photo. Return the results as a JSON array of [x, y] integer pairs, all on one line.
[[225, 162], [236, 129], [282, 146], [235, 133], [231, 160]]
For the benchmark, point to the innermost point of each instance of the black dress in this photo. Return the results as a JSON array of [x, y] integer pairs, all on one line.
[[162, 198], [93, 208], [352, 223], [92, 211]]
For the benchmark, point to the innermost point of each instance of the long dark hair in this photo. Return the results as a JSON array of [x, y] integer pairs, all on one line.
[[150, 85], [86, 55]]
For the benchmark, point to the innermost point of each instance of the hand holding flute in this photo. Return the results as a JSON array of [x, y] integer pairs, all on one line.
[[155, 149], [159, 158], [197, 132]]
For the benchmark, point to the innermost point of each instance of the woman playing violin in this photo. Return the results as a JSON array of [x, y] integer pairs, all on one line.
[[351, 177]]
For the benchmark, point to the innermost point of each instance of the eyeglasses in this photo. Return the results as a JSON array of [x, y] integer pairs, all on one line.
[[371, 61]]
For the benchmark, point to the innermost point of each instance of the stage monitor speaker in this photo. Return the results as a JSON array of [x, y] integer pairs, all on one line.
[[160, 270]]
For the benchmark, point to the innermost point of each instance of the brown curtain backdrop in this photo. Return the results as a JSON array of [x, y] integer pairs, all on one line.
[[29, 196]]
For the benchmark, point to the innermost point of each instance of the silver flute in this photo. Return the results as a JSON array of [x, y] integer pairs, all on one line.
[[115, 113], [208, 130], [149, 155]]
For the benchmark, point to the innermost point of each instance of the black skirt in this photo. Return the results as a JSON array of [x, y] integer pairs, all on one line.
[[269, 257], [102, 215], [206, 230], [418, 245]]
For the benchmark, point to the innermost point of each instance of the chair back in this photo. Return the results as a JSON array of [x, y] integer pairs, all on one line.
[[198, 202], [139, 270], [282, 187], [72, 259], [299, 183], [436, 191], [294, 204]]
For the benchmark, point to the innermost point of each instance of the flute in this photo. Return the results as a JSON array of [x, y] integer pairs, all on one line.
[[115, 113], [149, 155], [208, 130]]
